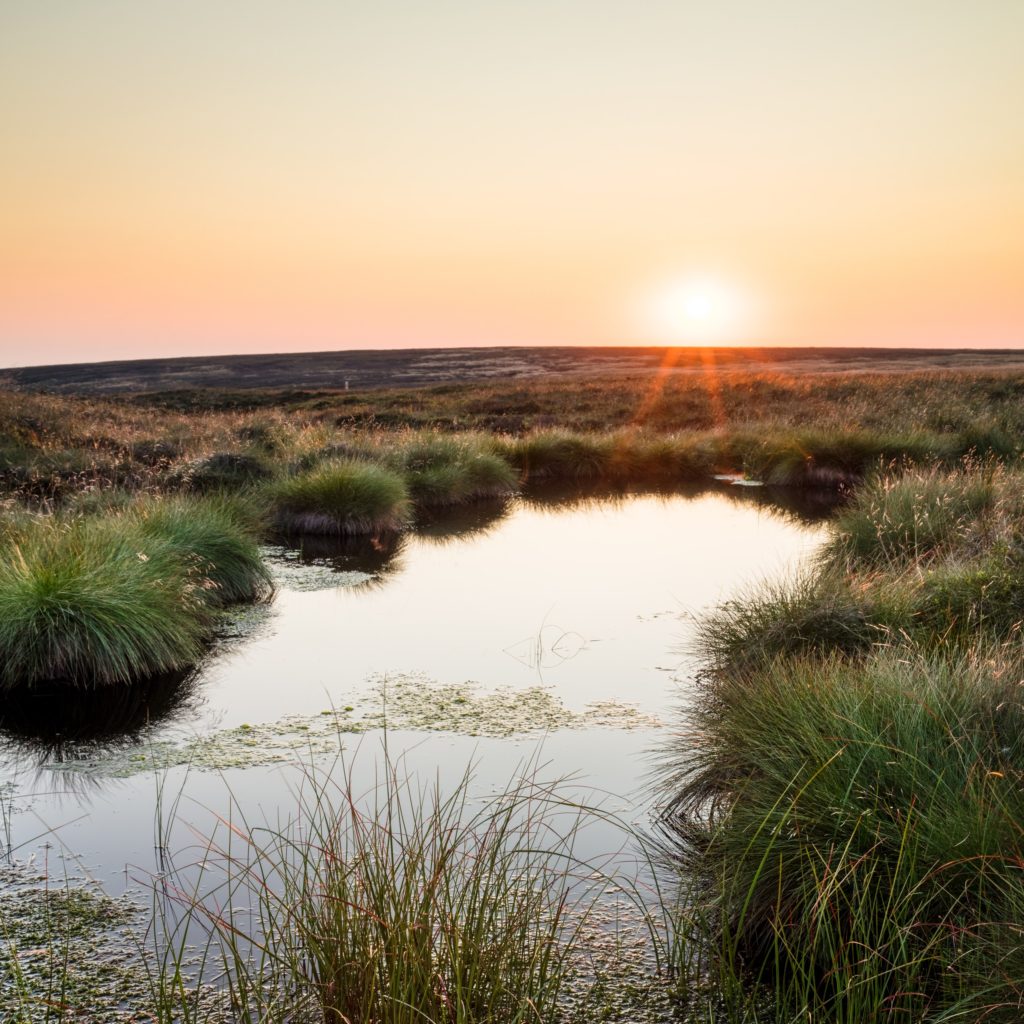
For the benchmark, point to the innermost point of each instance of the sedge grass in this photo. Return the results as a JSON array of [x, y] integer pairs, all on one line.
[[858, 826], [443, 471], [217, 533], [404, 903], [343, 497], [92, 602], [908, 517]]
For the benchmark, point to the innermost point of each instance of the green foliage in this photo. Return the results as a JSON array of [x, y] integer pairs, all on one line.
[[217, 533], [408, 904], [558, 454], [344, 497], [94, 602], [898, 519], [445, 471], [864, 820]]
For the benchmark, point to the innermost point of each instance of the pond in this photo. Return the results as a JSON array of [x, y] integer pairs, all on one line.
[[553, 628]]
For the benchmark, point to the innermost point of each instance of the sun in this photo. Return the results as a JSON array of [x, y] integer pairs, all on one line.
[[695, 310]]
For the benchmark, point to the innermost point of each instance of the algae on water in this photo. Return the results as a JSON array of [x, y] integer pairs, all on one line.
[[409, 701]]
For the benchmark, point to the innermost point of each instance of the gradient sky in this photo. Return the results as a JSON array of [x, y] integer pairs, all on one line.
[[193, 176]]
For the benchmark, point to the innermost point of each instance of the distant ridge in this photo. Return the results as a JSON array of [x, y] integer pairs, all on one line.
[[361, 369]]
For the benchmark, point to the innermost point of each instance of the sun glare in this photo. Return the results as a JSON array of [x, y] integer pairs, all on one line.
[[695, 310]]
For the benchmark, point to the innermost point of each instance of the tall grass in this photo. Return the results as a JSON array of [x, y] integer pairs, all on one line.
[[851, 797], [407, 903], [218, 533], [901, 518], [859, 827], [932, 557], [344, 497], [93, 600]]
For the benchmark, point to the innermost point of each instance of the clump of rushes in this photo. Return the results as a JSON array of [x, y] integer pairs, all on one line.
[[443, 471], [215, 532], [409, 904], [859, 827], [344, 497], [94, 601]]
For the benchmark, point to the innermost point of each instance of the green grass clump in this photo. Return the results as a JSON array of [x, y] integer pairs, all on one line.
[[859, 827], [803, 615], [94, 602], [344, 497], [830, 458], [898, 519], [442, 471], [214, 532], [560, 455]]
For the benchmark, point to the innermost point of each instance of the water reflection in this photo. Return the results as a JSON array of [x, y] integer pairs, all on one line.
[[463, 522], [60, 723], [376, 557], [802, 506], [587, 592]]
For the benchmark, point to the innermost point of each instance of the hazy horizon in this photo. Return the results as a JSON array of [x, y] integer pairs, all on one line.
[[196, 179]]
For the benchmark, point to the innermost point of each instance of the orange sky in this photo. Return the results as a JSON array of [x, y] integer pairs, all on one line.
[[180, 176]]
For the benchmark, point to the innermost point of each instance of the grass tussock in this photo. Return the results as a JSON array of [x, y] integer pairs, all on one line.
[[849, 799], [218, 533], [344, 497], [859, 828], [911, 517], [445, 471], [93, 600], [931, 557]]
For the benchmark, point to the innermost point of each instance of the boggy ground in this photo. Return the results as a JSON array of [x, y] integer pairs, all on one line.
[[778, 425], [384, 368], [843, 809]]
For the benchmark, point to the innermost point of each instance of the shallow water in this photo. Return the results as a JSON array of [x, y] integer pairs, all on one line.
[[554, 604]]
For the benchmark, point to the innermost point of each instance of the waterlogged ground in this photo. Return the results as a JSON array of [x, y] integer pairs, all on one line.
[[549, 631]]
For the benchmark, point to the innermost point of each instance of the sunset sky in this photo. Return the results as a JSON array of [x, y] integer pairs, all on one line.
[[193, 176]]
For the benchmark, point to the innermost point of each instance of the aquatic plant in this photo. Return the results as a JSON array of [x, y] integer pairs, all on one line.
[[405, 904], [343, 497]]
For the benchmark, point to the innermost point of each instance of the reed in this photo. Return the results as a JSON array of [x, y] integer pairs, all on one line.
[[405, 903]]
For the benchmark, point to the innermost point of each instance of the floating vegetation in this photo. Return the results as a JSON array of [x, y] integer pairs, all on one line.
[[409, 701], [63, 951], [291, 571]]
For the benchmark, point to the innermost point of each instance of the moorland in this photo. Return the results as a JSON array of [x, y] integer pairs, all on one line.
[[841, 827]]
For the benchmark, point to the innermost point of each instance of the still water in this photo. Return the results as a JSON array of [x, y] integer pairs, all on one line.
[[552, 628]]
